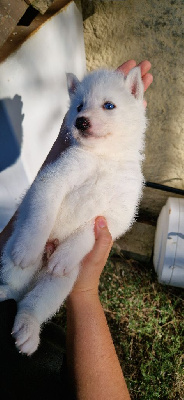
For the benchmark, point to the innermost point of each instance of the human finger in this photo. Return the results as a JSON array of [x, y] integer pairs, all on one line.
[[94, 262], [145, 66], [127, 66], [103, 243], [103, 237], [147, 80]]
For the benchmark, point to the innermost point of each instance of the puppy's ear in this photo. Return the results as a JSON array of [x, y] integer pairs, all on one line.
[[134, 84], [72, 83]]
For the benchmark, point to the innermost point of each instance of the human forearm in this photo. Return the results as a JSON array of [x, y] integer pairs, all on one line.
[[92, 360]]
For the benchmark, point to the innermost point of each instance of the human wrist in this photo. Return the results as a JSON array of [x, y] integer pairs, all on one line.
[[83, 296]]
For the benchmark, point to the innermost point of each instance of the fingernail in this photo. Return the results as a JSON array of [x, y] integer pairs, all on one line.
[[102, 223]]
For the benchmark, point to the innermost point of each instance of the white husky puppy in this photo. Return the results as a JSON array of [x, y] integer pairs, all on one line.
[[100, 174]]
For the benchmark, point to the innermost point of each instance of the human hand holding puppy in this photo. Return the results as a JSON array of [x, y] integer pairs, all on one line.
[[95, 261]]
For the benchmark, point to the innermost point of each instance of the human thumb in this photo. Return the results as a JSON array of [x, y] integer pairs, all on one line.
[[102, 236]]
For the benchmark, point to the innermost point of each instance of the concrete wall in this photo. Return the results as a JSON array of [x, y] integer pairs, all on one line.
[[146, 29]]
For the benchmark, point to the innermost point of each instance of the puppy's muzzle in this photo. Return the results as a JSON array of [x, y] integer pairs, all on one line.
[[82, 124]]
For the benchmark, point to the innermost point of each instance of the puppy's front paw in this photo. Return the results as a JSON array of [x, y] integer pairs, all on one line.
[[26, 333], [22, 256]]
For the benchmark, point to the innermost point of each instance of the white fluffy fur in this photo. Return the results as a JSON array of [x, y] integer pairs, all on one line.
[[100, 174]]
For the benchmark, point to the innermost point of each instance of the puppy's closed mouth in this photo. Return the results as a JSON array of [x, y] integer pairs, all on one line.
[[79, 134], [84, 133]]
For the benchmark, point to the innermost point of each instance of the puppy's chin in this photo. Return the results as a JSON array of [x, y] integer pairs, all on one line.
[[80, 135], [88, 136]]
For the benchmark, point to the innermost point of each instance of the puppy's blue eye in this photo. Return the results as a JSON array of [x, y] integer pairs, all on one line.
[[79, 108], [108, 105]]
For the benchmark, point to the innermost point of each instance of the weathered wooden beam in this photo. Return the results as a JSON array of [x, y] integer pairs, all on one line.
[[40, 5], [12, 13]]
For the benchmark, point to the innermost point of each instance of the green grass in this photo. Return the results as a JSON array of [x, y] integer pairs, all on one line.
[[146, 321], [147, 326]]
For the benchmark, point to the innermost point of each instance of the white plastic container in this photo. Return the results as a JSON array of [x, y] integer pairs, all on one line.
[[168, 258]]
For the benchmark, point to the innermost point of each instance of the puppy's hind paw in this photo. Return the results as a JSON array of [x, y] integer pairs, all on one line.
[[57, 266], [26, 333]]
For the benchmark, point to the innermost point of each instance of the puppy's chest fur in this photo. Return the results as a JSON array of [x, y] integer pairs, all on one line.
[[95, 196]]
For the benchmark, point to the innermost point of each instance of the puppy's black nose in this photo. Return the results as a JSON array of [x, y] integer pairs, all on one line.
[[82, 123]]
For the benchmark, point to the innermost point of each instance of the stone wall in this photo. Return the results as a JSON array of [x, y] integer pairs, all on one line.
[[147, 29]]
